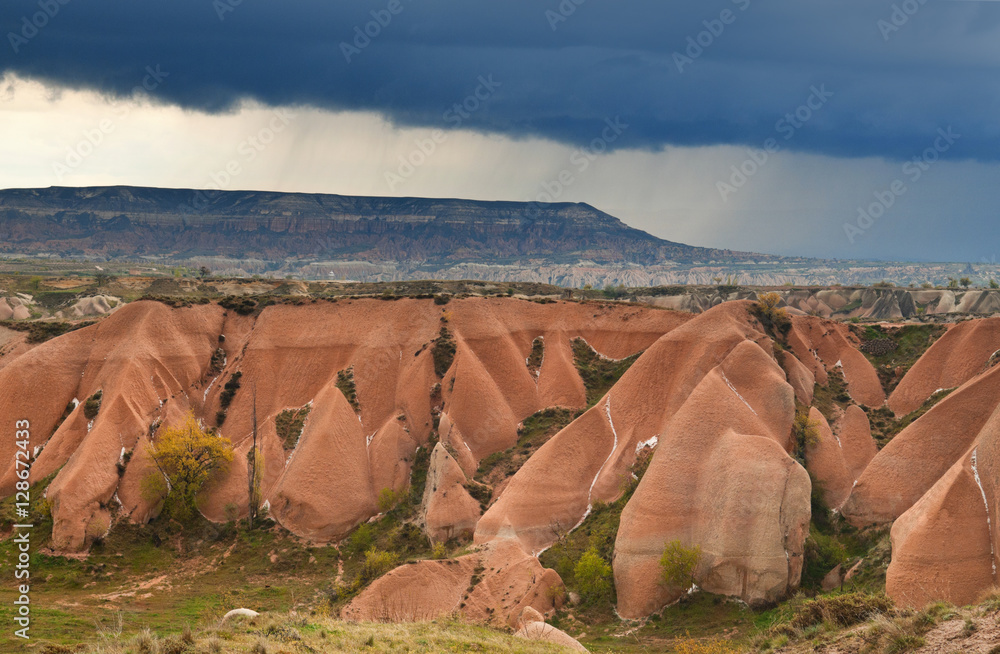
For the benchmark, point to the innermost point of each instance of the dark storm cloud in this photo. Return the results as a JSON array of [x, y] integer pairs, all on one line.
[[562, 67]]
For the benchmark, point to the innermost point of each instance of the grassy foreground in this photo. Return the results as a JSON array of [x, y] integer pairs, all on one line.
[[286, 633]]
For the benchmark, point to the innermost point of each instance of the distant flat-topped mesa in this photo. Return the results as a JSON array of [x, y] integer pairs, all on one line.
[[121, 222]]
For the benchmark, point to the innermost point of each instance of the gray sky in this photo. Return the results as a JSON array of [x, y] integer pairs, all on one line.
[[659, 113]]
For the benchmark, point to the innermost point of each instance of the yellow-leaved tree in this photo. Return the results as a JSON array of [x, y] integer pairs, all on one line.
[[187, 456]]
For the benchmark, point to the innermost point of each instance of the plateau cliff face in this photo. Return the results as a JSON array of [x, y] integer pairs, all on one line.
[[126, 222]]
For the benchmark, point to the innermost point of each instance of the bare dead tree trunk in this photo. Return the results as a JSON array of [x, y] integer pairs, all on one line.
[[253, 491]]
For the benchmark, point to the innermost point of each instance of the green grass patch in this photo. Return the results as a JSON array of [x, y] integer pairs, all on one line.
[[832, 396], [598, 373], [289, 424], [597, 535], [885, 426], [536, 356], [345, 382], [39, 332], [535, 431], [92, 406], [443, 350], [893, 350]]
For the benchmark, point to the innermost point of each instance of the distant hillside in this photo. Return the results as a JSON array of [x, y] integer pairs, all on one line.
[[132, 222], [377, 239]]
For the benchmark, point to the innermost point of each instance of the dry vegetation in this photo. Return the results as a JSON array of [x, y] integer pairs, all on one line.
[[274, 633], [598, 373]]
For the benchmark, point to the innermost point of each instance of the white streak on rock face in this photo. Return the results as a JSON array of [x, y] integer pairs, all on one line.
[[989, 527], [209, 387], [733, 389], [611, 423], [650, 443], [590, 492], [614, 448], [601, 356]]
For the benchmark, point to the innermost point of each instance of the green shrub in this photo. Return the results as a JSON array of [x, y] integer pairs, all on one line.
[[289, 424], [443, 352], [361, 540], [678, 564], [805, 430], [593, 576], [535, 357], [93, 405], [774, 318], [377, 562], [598, 374], [823, 551], [345, 383], [480, 492], [229, 391], [242, 305], [189, 457], [388, 498], [615, 292]]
